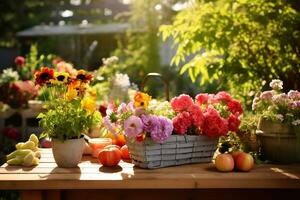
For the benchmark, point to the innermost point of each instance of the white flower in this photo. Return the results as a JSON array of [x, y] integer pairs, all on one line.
[[121, 80], [9, 75], [296, 122], [254, 103], [280, 117], [276, 84], [109, 61], [120, 85]]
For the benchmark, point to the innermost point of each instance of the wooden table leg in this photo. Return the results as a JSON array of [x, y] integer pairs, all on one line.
[[31, 195]]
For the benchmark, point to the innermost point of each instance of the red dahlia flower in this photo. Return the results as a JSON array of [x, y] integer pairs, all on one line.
[[44, 76]]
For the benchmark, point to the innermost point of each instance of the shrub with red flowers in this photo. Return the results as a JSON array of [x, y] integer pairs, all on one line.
[[15, 92], [213, 115]]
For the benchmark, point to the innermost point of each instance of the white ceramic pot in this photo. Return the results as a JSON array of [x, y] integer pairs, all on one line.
[[67, 153]]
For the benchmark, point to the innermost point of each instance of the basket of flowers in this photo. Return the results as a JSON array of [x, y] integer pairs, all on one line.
[[182, 131]]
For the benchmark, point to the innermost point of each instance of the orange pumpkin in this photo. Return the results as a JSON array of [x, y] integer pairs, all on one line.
[[109, 156]]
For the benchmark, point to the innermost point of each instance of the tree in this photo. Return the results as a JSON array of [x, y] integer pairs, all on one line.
[[139, 50], [238, 42]]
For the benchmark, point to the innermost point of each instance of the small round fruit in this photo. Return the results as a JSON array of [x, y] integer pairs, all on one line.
[[244, 162], [125, 152], [235, 154], [109, 156], [224, 162]]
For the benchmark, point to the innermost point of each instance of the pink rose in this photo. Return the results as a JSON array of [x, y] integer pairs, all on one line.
[[181, 103], [20, 61]]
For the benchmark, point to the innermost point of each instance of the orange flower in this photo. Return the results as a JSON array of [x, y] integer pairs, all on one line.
[[84, 76], [76, 88], [141, 100], [44, 76]]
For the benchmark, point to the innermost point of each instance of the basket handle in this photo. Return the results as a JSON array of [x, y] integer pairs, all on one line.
[[166, 84]]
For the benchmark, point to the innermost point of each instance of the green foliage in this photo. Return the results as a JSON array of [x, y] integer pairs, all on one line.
[[17, 15], [237, 42], [67, 120], [139, 52]]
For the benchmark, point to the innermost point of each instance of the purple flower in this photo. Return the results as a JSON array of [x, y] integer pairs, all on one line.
[[133, 126], [151, 123], [110, 127], [294, 94], [294, 105], [164, 131], [139, 111], [266, 96], [276, 84]]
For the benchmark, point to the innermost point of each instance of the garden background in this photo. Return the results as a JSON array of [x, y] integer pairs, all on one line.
[[197, 45]]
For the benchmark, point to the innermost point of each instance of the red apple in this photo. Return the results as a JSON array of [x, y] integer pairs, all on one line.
[[224, 162], [244, 162]]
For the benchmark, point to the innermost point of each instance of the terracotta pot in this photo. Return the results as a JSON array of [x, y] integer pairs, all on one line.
[[278, 142], [67, 153]]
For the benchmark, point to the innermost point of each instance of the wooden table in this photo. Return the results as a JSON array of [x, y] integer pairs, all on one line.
[[91, 181]]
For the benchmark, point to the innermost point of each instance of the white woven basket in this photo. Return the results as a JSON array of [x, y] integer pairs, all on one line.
[[177, 150]]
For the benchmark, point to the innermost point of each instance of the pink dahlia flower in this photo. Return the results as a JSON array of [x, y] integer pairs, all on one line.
[[133, 126]]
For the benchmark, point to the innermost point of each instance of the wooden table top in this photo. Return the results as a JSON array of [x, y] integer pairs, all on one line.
[[92, 175]]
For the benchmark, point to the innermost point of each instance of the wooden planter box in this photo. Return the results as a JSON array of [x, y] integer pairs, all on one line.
[[177, 150]]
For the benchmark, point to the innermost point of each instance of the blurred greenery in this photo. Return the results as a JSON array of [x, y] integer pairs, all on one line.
[[238, 44], [139, 52], [17, 15]]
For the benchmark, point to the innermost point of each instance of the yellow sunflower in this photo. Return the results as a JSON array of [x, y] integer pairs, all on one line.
[[60, 78]]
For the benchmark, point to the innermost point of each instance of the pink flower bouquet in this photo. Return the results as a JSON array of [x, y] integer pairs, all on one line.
[[139, 119], [211, 115]]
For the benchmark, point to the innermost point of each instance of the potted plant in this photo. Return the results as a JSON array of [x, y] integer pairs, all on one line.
[[279, 124], [70, 112]]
